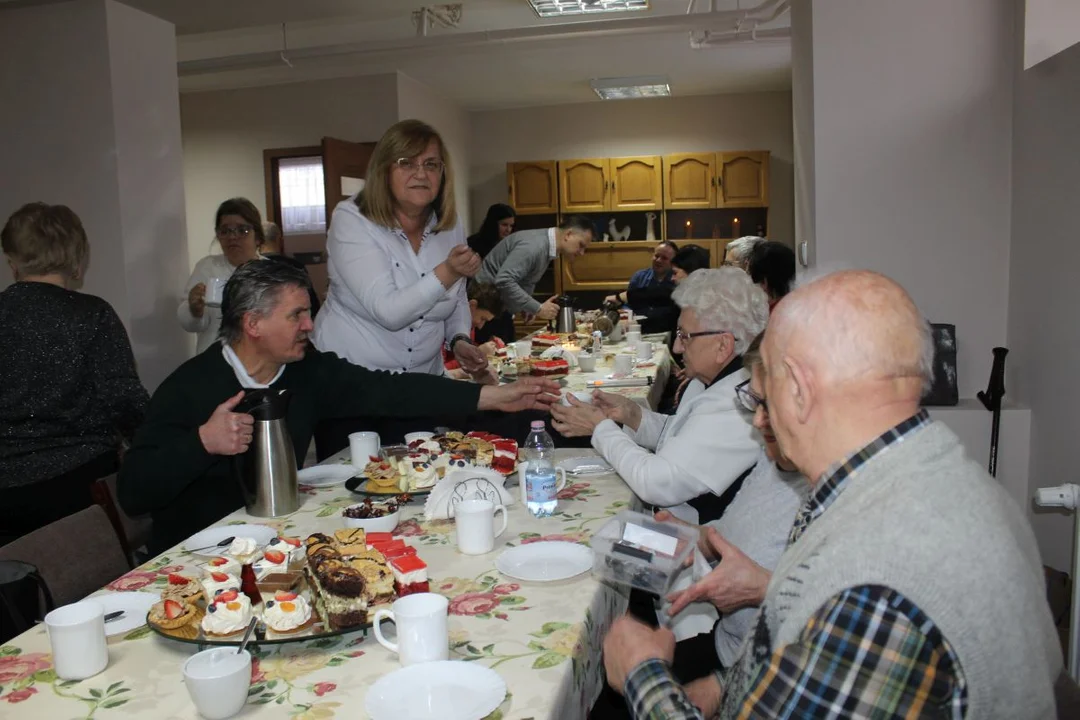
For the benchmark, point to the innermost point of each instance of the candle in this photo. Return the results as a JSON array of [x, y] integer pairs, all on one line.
[[689, 230], [735, 228]]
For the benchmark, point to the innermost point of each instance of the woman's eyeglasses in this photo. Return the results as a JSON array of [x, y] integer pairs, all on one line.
[[226, 231], [681, 334], [431, 167], [750, 400]]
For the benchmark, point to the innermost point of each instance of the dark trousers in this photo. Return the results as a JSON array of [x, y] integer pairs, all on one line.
[[25, 508]]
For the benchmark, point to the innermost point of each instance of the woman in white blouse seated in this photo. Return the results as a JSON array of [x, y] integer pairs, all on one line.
[[397, 261], [708, 444]]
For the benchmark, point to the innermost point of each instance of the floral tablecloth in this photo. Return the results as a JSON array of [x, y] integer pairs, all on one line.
[[544, 639], [658, 367]]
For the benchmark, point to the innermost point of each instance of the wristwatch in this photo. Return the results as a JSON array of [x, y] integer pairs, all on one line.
[[453, 341]]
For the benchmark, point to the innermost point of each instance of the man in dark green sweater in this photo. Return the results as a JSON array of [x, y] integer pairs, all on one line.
[[179, 466]]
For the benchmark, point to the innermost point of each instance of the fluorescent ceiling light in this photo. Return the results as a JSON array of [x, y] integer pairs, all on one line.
[[631, 87], [560, 8]]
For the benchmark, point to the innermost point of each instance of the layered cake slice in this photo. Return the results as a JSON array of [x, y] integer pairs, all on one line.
[[338, 588], [350, 541], [410, 575], [378, 580]]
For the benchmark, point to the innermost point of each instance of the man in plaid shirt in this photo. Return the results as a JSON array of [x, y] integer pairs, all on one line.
[[911, 585]]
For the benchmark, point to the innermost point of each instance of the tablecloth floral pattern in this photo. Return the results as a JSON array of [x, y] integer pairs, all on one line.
[[658, 367], [544, 639]]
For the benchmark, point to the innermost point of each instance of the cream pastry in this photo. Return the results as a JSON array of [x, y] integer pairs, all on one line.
[[272, 561], [229, 613], [286, 612], [213, 581], [222, 564], [291, 546], [243, 549]]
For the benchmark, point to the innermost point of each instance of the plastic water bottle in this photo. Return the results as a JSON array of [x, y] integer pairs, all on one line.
[[540, 477]]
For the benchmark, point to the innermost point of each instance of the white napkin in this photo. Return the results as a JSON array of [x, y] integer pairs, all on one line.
[[467, 484]]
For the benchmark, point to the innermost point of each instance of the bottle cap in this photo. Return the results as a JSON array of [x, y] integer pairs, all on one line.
[[537, 424]]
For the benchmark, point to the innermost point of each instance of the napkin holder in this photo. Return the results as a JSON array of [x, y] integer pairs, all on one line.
[[465, 484]]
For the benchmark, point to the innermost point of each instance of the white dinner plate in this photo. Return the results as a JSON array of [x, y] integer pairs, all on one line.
[[545, 561], [202, 543], [135, 606], [584, 466], [325, 475], [443, 690]]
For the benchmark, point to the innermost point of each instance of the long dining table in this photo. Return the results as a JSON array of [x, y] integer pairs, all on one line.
[[544, 639]]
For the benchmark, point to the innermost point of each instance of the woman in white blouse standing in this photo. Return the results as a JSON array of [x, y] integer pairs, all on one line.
[[239, 231], [398, 263]]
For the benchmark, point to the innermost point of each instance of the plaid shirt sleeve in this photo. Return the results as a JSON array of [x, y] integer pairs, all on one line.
[[868, 652], [652, 693]]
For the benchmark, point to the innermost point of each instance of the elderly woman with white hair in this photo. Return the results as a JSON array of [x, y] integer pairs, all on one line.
[[708, 444], [737, 252]]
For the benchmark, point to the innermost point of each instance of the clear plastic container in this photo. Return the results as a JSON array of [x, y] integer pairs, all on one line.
[[635, 549]]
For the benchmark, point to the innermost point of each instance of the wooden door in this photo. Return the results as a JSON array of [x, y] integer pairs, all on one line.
[[742, 179], [344, 167], [530, 187], [583, 185], [689, 181], [635, 183]]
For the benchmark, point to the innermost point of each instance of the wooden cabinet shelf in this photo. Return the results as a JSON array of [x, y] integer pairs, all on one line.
[[591, 185], [716, 180], [531, 187], [608, 266]]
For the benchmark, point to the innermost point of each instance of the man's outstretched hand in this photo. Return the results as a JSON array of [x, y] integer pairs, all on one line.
[[525, 394]]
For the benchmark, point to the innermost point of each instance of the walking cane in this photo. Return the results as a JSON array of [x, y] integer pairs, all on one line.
[[991, 399]]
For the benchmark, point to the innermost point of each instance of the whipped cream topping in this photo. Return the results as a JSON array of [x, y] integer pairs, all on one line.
[[211, 586], [242, 548], [228, 617], [223, 564], [264, 567], [294, 553], [286, 615]]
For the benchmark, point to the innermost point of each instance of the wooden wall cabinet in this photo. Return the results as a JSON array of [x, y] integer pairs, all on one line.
[[531, 187], [608, 266], [742, 179], [716, 180], [689, 181], [610, 184]]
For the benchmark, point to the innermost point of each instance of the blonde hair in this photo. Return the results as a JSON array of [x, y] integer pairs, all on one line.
[[405, 139], [42, 239]]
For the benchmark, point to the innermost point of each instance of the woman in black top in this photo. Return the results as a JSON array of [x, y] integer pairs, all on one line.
[[498, 223], [69, 392]]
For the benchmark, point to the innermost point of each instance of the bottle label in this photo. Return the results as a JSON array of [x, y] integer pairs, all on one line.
[[541, 487]]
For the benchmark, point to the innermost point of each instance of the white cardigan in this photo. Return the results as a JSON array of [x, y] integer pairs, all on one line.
[[700, 449], [205, 327]]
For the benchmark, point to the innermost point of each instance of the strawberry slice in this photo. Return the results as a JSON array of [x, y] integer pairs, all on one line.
[[175, 579], [295, 542], [275, 556], [284, 596], [375, 458], [227, 596], [173, 609], [219, 577], [219, 561]]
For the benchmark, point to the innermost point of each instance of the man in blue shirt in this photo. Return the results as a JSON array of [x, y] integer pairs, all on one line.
[[656, 280]]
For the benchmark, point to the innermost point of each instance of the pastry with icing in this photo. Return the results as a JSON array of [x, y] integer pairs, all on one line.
[[228, 613], [287, 612]]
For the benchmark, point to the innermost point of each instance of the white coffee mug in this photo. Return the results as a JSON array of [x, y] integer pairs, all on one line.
[[421, 628], [363, 446], [412, 437], [586, 362], [624, 365], [215, 291], [633, 337], [644, 351], [217, 680], [77, 635], [523, 348], [475, 521]]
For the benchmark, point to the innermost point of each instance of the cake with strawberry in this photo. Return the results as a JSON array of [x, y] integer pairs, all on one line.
[[172, 614], [224, 564], [271, 562], [554, 368], [410, 575], [228, 613], [287, 612], [546, 340], [214, 581], [291, 546], [183, 588]]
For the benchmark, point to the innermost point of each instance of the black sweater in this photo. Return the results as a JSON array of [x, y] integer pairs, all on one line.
[[168, 472]]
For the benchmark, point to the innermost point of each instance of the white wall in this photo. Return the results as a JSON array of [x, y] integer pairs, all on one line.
[[419, 101], [1044, 332], [91, 122], [226, 131], [1050, 26], [758, 121], [912, 128]]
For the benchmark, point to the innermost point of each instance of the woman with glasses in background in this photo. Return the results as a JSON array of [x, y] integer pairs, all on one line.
[[238, 229], [398, 262]]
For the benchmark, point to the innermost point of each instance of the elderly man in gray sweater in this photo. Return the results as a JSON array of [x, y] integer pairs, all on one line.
[[518, 262], [912, 584]]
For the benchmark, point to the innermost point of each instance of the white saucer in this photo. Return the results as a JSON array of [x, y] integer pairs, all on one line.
[[325, 475], [201, 542], [585, 466], [444, 690], [135, 606], [545, 561]]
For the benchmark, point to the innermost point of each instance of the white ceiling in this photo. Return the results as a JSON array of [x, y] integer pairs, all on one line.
[[337, 38]]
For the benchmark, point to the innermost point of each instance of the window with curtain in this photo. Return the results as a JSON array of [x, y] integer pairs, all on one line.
[[303, 202]]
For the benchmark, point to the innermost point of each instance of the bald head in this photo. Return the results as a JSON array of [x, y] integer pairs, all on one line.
[[846, 358]]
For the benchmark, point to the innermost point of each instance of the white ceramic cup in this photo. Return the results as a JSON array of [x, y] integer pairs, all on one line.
[[215, 291], [644, 350], [633, 337], [217, 680], [586, 362], [582, 396], [414, 436], [633, 327], [523, 348], [475, 520], [624, 365], [77, 635], [421, 628], [363, 446]]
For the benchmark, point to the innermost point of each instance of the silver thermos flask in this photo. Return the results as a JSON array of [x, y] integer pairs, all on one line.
[[267, 471], [566, 322]]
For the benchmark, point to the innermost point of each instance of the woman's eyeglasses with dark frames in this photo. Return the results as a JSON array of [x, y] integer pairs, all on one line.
[[681, 334], [234, 230], [431, 167], [750, 400]]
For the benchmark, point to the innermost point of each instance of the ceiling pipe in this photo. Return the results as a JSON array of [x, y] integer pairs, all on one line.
[[738, 37], [593, 28]]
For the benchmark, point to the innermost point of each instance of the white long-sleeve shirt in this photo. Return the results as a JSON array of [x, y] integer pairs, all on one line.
[[205, 327], [386, 309], [700, 449]]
